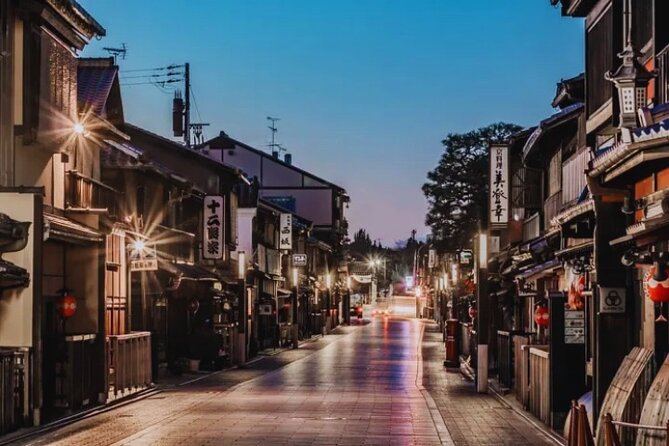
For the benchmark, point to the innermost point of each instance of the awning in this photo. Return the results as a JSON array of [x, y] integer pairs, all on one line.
[[282, 292], [573, 212], [66, 230], [12, 276], [542, 269], [575, 250], [644, 232], [190, 272]]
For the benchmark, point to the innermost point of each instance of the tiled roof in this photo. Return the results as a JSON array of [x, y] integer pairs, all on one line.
[[93, 87]]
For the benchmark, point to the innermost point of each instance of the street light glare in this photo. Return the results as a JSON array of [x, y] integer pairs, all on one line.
[[78, 128], [138, 245]]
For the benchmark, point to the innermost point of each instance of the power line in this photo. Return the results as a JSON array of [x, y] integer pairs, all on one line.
[[168, 67]]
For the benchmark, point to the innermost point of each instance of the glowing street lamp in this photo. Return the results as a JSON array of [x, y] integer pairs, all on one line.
[[483, 250], [78, 128], [241, 265], [138, 246]]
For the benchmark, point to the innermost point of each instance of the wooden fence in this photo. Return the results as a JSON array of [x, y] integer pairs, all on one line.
[[13, 389], [521, 352], [539, 385], [129, 359]]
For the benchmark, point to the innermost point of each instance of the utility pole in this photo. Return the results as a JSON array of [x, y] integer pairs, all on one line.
[[187, 104]]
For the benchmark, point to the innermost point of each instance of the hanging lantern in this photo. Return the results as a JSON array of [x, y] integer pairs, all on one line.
[[575, 296], [656, 286], [541, 316], [66, 305], [473, 312]]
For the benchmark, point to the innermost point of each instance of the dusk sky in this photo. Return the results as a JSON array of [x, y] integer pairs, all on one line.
[[365, 89]]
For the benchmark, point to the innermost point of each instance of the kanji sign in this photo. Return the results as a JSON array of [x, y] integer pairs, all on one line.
[[213, 227], [431, 258], [144, 265], [299, 260], [499, 186], [286, 232]]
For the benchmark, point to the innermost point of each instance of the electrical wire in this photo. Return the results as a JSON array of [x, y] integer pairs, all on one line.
[[168, 67]]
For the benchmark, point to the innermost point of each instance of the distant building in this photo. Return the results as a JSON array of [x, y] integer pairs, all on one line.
[[288, 186]]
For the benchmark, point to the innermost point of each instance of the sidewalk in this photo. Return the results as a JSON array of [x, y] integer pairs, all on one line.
[[157, 404], [471, 418]]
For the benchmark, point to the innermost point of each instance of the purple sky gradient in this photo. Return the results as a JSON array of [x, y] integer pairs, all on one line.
[[365, 90]]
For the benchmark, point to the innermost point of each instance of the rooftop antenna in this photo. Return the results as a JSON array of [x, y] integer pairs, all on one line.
[[115, 52], [272, 127]]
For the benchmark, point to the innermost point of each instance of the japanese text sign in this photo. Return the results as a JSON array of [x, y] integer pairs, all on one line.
[[286, 232], [213, 227], [499, 186]]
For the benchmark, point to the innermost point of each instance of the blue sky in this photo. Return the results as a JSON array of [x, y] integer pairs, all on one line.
[[365, 89]]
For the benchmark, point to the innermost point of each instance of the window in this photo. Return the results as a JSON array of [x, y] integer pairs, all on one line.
[[115, 284], [599, 60], [555, 174], [61, 75]]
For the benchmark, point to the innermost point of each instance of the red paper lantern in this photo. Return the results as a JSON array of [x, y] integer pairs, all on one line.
[[66, 305], [575, 296], [656, 291], [473, 312], [541, 316]]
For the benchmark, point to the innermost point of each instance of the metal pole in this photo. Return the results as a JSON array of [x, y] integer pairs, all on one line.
[[187, 104], [294, 326], [243, 320], [482, 321]]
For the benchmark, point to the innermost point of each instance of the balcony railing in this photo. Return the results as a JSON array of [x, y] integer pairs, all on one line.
[[85, 194], [662, 80], [129, 359]]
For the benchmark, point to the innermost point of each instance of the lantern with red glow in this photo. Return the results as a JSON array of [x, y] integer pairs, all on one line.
[[656, 283], [473, 312], [66, 305], [575, 296], [541, 316]]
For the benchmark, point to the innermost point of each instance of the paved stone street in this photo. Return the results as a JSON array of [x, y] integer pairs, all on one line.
[[368, 385]]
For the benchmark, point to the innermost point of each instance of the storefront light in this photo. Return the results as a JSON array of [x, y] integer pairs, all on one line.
[[296, 276], [328, 280], [483, 250], [241, 265]]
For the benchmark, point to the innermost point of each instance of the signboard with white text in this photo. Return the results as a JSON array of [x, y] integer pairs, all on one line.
[[299, 260], [499, 186], [286, 232], [213, 227], [431, 258]]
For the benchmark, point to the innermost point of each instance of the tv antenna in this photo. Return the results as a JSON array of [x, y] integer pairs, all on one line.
[[115, 52], [273, 146]]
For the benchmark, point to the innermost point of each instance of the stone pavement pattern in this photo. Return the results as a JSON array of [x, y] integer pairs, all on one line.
[[471, 418], [375, 386]]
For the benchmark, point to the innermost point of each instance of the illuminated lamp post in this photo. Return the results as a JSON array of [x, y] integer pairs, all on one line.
[[296, 283], [243, 304], [483, 314]]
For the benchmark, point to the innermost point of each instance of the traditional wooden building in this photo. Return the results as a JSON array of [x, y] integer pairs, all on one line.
[[625, 95], [50, 174]]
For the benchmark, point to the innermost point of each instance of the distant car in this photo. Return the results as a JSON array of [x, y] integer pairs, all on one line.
[[382, 310], [356, 310]]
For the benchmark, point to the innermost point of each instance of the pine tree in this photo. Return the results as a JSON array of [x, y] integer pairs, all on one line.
[[457, 189]]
